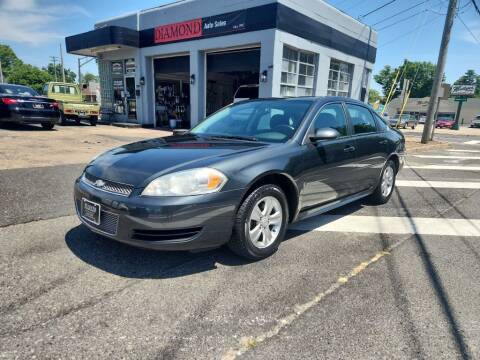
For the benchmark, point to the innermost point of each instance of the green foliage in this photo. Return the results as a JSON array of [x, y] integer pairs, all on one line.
[[8, 58], [373, 96], [421, 71], [29, 75], [69, 74], [89, 77], [470, 78]]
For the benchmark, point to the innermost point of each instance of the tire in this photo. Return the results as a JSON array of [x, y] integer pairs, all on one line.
[[259, 247], [78, 121], [48, 126], [93, 120], [379, 196], [413, 127], [62, 119], [405, 125]]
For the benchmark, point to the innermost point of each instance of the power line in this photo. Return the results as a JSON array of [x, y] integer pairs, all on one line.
[[375, 10], [470, 31], [400, 12], [410, 32], [476, 6], [403, 19]]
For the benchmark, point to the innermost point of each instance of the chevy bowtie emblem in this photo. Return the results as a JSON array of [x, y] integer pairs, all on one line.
[[100, 183]]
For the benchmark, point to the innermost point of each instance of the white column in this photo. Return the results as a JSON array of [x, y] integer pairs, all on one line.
[[198, 89]]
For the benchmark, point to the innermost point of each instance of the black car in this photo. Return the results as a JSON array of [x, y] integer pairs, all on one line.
[[23, 105], [241, 175]]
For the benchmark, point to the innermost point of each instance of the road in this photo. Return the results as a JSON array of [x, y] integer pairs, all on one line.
[[398, 281]]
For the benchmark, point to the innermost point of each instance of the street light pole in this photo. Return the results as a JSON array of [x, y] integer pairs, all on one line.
[[437, 82]]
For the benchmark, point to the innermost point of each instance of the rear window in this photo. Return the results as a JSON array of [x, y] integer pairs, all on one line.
[[17, 90], [64, 89]]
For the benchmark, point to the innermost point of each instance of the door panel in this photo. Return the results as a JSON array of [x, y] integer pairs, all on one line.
[[328, 174]]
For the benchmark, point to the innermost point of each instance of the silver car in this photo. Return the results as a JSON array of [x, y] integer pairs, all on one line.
[[403, 122], [475, 122]]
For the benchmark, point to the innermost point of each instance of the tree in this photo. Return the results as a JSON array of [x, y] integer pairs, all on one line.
[[373, 96], [470, 78], [29, 75], [421, 74], [89, 77], [8, 59], [69, 74]]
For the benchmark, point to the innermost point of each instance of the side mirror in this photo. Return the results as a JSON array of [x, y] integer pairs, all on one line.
[[324, 134]]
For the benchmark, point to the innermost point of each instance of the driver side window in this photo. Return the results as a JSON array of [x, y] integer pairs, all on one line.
[[331, 116]]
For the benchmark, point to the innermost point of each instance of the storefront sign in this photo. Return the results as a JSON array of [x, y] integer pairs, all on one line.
[[212, 25], [463, 90], [117, 68], [178, 31], [130, 66]]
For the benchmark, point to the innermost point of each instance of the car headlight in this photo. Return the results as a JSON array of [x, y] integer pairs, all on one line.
[[189, 182]]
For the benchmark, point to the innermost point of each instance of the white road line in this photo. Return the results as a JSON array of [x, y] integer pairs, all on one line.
[[464, 151], [438, 184], [472, 142], [443, 167], [390, 225], [447, 157]]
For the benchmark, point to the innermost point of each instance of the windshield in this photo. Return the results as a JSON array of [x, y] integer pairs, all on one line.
[[268, 120], [17, 90]]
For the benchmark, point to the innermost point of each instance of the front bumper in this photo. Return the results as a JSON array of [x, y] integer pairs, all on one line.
[[183, 223]]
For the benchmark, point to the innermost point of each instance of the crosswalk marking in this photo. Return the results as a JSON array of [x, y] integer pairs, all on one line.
[[447, 157], [472, 142], [438, 184], [390, 225], [463, 151], [443, 167]]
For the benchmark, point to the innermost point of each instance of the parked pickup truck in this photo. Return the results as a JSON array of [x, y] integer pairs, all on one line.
[[70, 103]]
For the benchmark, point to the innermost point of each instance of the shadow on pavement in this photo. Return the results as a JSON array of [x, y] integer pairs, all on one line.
[[23, 127], [127, 261]]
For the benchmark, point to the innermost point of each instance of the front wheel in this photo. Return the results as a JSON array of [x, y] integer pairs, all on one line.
[[260, 223], [93, 120], [384, 189]]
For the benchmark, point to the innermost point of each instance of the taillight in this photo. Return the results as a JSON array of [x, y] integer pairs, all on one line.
[[55, 105], [9, 101]]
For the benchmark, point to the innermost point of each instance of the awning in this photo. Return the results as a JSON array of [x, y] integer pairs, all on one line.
[[103, 39]]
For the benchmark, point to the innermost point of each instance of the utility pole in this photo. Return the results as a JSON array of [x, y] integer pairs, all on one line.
[[1, 72], [437, 82], [61, 60], [54, 59]]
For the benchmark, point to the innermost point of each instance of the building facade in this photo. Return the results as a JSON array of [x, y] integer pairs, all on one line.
[[185, 60]]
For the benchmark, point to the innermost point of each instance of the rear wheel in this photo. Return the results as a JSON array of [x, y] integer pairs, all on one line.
[[385, 187], [78, 121], [260, 223], [93, 120], [48, 126]]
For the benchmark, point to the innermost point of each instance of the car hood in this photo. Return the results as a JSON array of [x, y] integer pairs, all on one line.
[[136, 163]]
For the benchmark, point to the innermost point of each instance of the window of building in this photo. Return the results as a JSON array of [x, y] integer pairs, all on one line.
[[331, 116], [298, 73], [339, 78], [362, 119]]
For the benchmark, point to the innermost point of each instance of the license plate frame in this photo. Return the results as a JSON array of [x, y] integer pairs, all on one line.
[[90, 211]]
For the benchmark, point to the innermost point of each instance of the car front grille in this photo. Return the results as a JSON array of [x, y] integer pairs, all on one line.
[[108, 186], [108, 221]]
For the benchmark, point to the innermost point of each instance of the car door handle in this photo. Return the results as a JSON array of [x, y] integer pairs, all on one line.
[[383, 142], [349, 148]]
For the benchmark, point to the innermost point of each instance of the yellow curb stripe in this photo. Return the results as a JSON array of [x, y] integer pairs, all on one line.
[[248, 343]]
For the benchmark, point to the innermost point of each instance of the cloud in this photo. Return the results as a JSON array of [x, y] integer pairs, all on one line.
[[35, 23]]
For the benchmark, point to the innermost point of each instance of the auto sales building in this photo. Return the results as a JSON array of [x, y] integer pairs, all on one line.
[[187, 59]]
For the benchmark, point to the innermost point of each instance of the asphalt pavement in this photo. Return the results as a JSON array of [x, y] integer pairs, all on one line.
[[398, 281]]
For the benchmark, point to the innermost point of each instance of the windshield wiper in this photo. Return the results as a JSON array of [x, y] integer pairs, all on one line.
[[233, 137]]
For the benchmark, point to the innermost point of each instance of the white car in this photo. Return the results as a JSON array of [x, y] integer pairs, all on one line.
[[475, 122]]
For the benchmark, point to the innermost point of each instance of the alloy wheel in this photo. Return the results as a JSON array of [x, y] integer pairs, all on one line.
[[387, 181], [265, 222]]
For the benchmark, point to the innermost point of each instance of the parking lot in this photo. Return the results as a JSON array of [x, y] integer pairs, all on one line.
[[361, 282]]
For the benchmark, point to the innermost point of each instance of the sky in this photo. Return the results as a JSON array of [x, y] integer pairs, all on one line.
[[35, 29]]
